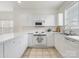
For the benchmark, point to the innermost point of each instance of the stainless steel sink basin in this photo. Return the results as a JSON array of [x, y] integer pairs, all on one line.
[[69, 34]]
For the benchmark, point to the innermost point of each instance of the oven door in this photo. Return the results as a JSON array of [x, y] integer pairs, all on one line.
[[40, 41], [38, 23]]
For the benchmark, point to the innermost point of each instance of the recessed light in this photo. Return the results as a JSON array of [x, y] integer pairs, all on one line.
[[19, 1]]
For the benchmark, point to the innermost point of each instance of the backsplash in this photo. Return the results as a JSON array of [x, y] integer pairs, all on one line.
[[76, 31], [45, 28]]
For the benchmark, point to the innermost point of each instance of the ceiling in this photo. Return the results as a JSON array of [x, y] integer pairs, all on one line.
[[40, 6]]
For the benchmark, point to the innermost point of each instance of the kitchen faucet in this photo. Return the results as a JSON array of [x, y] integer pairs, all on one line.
[[70, 32]]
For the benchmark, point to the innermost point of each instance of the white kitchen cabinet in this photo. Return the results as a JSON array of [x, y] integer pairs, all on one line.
[[71, 48], [30, 39], [15, 47], [1, 50], [50, 20], [50, 39], [59, 43], [10, 49], [47, 20], [67, 48]]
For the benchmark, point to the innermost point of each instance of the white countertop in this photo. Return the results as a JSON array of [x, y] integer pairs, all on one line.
[[10, 36], [73, 37], [5, 37]]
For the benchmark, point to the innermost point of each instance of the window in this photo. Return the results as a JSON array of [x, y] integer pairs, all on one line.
[[72, 16]]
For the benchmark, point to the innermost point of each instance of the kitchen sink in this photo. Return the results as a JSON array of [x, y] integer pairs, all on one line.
[[69, 34]]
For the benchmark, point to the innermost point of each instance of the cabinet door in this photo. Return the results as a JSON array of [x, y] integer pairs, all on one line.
[[71, 48], [15, 47], [25, 41], [1, 50], [56, 41], [30, 40], [21, 45], [59, 42], [9, 49], [50, 20], [50, 39]]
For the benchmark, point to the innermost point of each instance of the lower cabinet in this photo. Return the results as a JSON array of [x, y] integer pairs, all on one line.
[[71, 49], [10, 49], [50, 39], [1, 50], [66, 48], [15, 47], [59, 42], [30, 41]]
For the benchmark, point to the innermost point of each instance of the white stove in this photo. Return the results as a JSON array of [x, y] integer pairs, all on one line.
[[40, 39]]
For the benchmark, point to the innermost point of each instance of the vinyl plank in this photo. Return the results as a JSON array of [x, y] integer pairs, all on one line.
[[42, 53]]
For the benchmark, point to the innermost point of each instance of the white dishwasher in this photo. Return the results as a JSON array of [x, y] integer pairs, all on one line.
[[39, 40]]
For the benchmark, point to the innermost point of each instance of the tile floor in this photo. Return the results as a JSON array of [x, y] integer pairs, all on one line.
[[41, 53]]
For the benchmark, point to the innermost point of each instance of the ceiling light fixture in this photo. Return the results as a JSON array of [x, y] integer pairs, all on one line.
[[19, 1]]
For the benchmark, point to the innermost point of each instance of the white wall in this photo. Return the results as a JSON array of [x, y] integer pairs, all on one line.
[[7, 13], [7, 5], [23, 18]]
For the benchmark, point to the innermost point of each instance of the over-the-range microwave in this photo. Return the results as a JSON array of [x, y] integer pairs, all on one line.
[[39, 24]]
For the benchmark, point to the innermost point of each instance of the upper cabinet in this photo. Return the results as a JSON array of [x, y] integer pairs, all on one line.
[[72, 16], [50, 20], [47, 20]]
